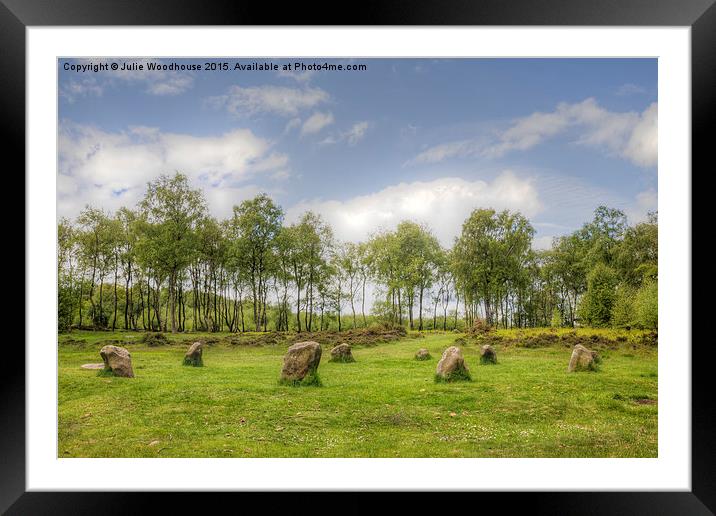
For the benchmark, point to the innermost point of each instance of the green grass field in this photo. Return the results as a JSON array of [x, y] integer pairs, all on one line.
[[386, 404]]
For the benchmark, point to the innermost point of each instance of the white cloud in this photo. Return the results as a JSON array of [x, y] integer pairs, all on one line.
[[541, 243], [87, 86], [443, 204], [353, 135], [110, 170], [300, 77], [530, 131], [630, 89], [328, 140], [316, 122], [445, 151], [409, 131], [292, 124], [155, 82], [277, 100], [221, 201], [357, 132], [629, 135], [643, 145], [644, 202]]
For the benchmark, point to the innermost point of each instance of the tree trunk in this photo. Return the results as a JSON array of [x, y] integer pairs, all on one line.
[[126, 295], [82, 284], [101, 297], [420, 313], [298, 308], [114, 318], [457, 308], [362, 308]]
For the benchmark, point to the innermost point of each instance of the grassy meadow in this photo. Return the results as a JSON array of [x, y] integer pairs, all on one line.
[[386, 404]]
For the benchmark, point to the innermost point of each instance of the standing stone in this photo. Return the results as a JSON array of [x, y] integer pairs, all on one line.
[[452, 366], [193, 356], [117, 360], [301, 360], [342, 353], [422, 354], [582, 359], [488, 355]]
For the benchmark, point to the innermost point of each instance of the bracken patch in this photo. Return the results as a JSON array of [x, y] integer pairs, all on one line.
[[154, 339]]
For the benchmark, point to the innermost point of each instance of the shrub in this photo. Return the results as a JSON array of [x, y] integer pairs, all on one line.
[[596, 306], [623, 309], [154, 339], [64, 305], [646, 305], [556, 320]]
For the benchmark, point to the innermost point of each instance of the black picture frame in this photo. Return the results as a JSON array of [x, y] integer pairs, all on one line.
[[700, 15]]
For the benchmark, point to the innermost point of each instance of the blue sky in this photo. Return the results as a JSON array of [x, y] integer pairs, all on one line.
[[426, 139]]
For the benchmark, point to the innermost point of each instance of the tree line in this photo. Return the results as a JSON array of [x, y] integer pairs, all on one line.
[[167, 265]]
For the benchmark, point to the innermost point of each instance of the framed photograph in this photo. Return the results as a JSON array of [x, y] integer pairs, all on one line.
[[439, 250]]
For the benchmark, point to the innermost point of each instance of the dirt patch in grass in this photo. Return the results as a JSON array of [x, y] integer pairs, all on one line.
[[639, 399], [396, 419]]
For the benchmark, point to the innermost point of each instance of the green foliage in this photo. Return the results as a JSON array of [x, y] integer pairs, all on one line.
[[556, 320], [406, 262], [65, 304], [623, 309], [254, 229], [636, 307], [490, 251], [168, 266], [646, 305], [171, 213], [637, 255], [596, 306], [603, 234], [383, 312]]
